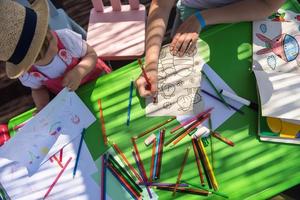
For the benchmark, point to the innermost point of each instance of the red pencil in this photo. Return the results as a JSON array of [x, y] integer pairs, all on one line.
[[102, 122], [139, 159], [190, 120], [148, 86]]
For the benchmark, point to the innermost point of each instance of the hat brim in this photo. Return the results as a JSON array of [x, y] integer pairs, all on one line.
[[41, 9]]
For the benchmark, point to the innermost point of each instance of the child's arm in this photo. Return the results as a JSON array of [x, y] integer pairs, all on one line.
[[156, 27], [40, 97], [73, 78], [247, 10]]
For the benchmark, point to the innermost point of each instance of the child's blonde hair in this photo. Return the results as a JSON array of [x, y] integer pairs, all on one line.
[[45, 45]]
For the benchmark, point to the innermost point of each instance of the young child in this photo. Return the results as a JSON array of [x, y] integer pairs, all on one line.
[[65, 60], [44, 60]]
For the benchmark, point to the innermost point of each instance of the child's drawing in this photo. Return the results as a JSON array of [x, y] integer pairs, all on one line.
[[46, 133], [177, 76], [276, 64]]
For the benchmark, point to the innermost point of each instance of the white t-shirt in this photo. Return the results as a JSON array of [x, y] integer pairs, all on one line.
[[73, 43], [206, 3]]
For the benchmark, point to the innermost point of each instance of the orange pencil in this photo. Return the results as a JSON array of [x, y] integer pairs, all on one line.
[[198, 164], [102, 122], [154, 128], [221, 138], [117, 149], [181, 170]]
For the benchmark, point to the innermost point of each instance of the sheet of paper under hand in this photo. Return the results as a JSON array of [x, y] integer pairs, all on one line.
[[52, 128], [178, 82]]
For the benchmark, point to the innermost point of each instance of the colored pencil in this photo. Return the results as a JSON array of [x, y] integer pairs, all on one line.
[[215, 89], [208, 166], [165, 184], [129, 103], [156, 157], [123, 157], [78, 152], [203, 163], [154, 128], [212, 152], [142, 171], [103, 177], [198, 164], [220, 100], [211, 143], [123, 182], [148, 86], [178, 134], [190, 120], [190, 129], [152, 160], [203, 188], [221, 138], [160, 152], [124, 172], [56, 178], [181, 170], [102, 122], [185, 190]]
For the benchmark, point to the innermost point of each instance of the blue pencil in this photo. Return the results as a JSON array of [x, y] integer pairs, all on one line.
[[129, 103], [78, 153], [156, 157]]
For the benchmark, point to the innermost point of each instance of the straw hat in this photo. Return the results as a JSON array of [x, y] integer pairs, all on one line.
[[22, 33]]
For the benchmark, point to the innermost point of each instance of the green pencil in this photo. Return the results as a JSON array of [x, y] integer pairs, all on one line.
[[216, 90]]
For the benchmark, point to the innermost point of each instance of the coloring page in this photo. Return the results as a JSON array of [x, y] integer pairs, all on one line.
[[178, 85], [56, 125]]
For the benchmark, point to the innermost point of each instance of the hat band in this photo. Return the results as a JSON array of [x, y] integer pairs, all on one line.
[[25, 38]]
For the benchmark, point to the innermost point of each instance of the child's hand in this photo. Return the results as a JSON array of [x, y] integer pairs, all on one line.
[[141, 84], [185, 40], [72, 79]]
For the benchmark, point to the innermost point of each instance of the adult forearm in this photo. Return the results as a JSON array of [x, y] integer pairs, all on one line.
[[156, 28], [246, 10]]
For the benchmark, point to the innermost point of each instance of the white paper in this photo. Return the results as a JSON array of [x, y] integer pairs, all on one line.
[[276, 67], [19, 185], [178, 82], [220, 113], [52, 128]]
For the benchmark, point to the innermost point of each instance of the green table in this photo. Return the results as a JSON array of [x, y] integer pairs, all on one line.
[[250, 170]]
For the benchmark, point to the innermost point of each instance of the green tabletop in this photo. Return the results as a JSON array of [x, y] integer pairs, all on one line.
[[249, 170]]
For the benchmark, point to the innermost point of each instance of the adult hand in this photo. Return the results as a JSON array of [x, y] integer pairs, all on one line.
[[142, 85], [72, 79], [185, 39]]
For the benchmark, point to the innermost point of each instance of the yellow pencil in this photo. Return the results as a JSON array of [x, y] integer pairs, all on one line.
[[208, 166]]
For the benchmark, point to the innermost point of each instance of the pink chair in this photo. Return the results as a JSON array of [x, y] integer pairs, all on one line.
[[117, 32]]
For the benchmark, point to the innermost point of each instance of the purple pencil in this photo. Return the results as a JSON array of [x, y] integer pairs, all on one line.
[[141, 172], [165, 184]]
